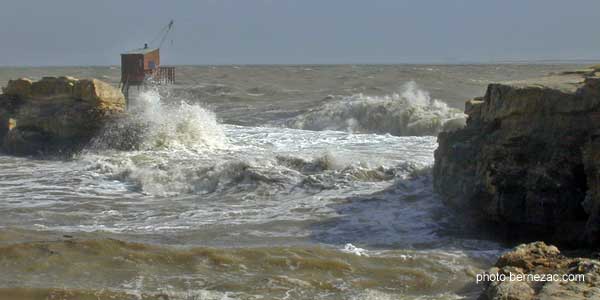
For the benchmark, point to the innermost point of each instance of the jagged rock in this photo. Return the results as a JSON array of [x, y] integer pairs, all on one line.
[[454, 124], [528, 257], [100, 94], [519, 162], [20, 87], [510, 291], [542, 260], [55, 114]]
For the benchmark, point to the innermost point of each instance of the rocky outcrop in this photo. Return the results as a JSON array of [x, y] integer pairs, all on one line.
[[540, 272], [591, 204], [528, 158], [54, 115]]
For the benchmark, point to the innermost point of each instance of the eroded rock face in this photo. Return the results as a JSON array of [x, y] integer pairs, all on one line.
[[55, 114], [591, 204], [527, 158], [543, 260]]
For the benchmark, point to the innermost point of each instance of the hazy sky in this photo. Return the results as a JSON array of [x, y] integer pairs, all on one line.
[[80, 32]]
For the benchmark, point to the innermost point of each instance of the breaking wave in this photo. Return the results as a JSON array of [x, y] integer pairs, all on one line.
[[150, 176], [152, 124], [410, 113], [181, 172], [171, 147]]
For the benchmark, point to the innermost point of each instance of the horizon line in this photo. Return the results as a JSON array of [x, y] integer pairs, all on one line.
[[491, 62]]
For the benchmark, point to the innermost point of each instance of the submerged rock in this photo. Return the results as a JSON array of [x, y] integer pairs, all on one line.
[[528, 158], [54, 114], [538, 271]]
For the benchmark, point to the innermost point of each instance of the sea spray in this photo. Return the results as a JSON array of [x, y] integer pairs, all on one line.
[[411, 112], [158, 132], [176, 148], [154, 124], [260, 162]]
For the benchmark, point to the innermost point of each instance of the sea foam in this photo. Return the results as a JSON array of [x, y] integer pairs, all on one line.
[[154, 124], [412, 112]]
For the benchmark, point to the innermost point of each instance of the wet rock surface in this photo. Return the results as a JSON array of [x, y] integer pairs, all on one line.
[[528, 159], [55, 114], [530, 266]]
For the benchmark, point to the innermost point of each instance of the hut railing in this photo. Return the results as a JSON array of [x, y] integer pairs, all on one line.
[[164, 75]]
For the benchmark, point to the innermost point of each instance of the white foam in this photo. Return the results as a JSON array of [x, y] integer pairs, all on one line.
[[349, 248], [410, 112], [177, 125]]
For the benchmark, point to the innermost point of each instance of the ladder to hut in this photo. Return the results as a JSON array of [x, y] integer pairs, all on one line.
[[140, 67]]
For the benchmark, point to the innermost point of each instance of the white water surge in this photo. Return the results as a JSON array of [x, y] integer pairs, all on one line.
[[356, 211], [154, 125], [181, 149], [412, 112]]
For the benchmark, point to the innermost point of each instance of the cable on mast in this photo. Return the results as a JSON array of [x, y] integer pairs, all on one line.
[[163, 34]]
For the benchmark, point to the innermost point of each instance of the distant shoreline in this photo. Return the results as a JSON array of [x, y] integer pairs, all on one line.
[[465, 63]]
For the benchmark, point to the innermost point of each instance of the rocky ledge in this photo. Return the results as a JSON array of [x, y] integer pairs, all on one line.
[[54, 115], [528, 159], [540, 272]]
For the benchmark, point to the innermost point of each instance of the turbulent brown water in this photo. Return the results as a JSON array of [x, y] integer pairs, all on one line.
[[252, 182]]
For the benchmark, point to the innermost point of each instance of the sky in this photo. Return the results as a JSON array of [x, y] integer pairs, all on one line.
[[82, 32]]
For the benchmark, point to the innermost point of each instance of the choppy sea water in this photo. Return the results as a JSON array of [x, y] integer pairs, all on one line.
[[274, 182]]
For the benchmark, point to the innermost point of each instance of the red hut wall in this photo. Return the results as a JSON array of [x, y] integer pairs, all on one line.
[[137, 65], [132, 68], [152, 60]]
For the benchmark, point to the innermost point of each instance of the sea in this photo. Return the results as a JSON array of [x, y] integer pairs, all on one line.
[[253, 182]]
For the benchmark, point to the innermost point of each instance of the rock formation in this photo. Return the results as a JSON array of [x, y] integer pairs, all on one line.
[[528, 158], [535, 272], [591, 204], [54, 115]]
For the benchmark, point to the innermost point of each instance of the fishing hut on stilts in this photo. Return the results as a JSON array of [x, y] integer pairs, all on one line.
[[141, 67]]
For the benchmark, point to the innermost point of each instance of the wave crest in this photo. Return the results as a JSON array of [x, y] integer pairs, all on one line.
[[167, 180], [152, 124], [172, 173], [411, 113]]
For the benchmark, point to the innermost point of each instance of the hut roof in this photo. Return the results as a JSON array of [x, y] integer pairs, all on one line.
[[141, 51]]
